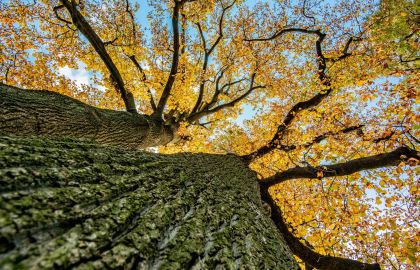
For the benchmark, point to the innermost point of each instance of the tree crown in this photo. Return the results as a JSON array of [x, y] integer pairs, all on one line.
[[299, 89]]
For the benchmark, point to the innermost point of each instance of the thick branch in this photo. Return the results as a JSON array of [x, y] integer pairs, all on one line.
[[346, 168], [81, 23], [32, 112], [175, 62], [308, 255]]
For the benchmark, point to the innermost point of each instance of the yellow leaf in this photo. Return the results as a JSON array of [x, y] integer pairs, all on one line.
[[382, 183]]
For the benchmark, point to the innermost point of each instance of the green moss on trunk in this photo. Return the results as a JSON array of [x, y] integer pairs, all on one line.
[[74, 204]]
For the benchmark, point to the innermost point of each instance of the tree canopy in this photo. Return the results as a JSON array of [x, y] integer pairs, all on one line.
[[318, 97]]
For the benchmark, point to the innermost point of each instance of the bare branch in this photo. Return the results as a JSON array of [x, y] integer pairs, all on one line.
[[220, 27], [218, 91], [290, 116], [309, 256], [346, 168], [203, 39], [385, 137], [203, 71], [110, 42], [325, 80], [84, 27]]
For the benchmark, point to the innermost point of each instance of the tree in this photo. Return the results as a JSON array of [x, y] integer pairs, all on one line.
[[332, 87], [110, 208]]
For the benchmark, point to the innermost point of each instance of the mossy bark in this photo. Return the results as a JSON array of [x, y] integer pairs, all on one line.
[[73, 204], [39, 112]]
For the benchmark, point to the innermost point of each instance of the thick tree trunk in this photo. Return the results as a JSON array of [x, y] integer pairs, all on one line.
[[34, 112], [71, 204]]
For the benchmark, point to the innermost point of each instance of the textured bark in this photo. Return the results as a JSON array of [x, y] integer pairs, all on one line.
[[35, 112], [73, 204]]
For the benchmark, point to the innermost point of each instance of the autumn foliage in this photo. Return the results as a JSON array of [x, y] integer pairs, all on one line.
[[284, 84]]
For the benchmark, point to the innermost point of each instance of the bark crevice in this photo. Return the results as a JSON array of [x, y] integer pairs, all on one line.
[[146, 211]]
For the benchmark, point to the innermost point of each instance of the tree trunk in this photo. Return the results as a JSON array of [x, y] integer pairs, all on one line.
[[73, 204], [36, 112]]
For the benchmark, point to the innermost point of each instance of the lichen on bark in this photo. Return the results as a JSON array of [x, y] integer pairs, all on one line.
[[45, 113], [74, 204]]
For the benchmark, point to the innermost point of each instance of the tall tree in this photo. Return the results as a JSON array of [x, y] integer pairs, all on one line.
[[330, 86]]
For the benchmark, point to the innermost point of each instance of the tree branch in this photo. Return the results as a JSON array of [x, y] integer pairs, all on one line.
[[175, 61], [392, 158], [56, 9], [309, 256], [196, 116], [218, 91], [319, 138], [305, 14], [285, 31], [345, 53], [207, 54], [300, 106], [84, 27], [130, 13], [203, 70], [290, 116]]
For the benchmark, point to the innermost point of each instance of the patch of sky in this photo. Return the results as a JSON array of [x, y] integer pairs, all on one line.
[[380, 83], [141, 16], [371, 194], [249, 112], [81, 75]]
